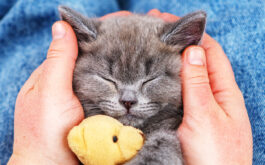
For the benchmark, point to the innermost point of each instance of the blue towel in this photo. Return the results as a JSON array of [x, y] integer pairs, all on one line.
[[25, 34]]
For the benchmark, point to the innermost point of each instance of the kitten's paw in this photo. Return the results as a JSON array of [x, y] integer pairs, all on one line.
[[160, 148]]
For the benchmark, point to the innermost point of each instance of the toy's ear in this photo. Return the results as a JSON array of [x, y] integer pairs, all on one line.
[[186, 31], [85, 28], [77, 142]]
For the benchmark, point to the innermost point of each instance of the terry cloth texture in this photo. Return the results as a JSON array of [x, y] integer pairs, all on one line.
[[239, 26]]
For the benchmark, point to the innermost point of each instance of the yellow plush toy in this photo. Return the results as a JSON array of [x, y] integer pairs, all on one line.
[[102, 140]]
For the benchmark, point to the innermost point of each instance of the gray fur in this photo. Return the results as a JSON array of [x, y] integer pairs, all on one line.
[[128, 68]]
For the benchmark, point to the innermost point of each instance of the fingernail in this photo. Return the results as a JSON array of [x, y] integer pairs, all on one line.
[[196, 56], [58, 31]]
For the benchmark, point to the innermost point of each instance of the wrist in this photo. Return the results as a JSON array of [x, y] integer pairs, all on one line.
[[30, 159]]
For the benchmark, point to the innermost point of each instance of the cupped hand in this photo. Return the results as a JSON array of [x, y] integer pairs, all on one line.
[[215, 127], [46, 107]]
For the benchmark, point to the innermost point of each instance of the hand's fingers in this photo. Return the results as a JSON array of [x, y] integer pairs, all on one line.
[[59, 65], [197, 94], [169, 17], [221, 76], [154, 12], [165, 16], [119, 13]]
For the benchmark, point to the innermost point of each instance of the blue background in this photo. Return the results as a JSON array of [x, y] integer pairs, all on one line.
[[239, 26]]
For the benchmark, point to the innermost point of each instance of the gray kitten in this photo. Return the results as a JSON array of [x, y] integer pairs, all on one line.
[[128, 68]]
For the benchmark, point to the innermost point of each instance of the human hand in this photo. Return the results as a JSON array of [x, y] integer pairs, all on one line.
[[215, 127], [46, 107]]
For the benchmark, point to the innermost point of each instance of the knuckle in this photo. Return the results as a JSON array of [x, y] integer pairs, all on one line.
[[212, 44], [56, 48], [53, 52], [198, 80]]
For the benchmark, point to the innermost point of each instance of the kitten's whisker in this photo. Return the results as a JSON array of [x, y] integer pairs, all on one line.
[[107, 105]]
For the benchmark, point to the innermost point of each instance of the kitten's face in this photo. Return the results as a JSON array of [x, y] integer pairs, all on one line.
[[129, 69], [127, 75]]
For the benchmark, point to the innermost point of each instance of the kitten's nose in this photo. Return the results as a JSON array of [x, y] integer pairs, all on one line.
[[128, 99], [128, 104]]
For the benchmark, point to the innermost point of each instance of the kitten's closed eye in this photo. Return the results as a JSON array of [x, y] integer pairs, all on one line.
[[108, 80], [148, 81]]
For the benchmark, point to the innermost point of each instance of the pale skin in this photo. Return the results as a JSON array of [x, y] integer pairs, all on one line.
[[215, 128]]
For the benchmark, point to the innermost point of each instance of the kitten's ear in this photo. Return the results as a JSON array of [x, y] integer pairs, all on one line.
[[186, 31], [85, 28]]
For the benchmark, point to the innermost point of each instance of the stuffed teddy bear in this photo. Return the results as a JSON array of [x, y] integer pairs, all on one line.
[[103, 140]]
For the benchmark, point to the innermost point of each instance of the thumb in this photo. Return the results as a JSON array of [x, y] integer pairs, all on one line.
[[61, 57], [197, 94]]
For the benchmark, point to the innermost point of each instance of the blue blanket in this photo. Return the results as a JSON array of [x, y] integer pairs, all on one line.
[[25, 34]]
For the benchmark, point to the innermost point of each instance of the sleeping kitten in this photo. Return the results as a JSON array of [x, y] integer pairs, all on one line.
[[128, 68]]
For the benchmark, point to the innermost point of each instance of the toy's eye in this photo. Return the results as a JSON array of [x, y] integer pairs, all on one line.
[[114, 139]]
